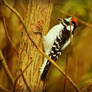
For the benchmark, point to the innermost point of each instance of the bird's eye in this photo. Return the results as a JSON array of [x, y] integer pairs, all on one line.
[[73, 22]]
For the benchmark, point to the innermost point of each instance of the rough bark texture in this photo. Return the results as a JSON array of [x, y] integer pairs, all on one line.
[[37, 19]]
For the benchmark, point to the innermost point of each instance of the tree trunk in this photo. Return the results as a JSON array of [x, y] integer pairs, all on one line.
[[37, 19]]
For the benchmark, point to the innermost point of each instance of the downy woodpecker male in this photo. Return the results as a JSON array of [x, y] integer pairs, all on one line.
[[57, 39]]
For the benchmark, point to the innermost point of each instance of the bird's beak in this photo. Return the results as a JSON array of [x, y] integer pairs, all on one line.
[[60, 19]]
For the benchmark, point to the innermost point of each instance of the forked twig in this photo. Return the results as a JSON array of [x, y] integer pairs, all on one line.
[[25, 82], [17, 78]]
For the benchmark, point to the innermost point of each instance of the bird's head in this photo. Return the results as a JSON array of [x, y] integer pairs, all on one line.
[[70, 23]]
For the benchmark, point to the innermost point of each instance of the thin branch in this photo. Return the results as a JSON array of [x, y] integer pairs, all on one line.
[[4, 89], [17, 78], [40, 50], [5, 27], [6, 67], [65, 81], [70, 32], [81, 21], [25, 82]]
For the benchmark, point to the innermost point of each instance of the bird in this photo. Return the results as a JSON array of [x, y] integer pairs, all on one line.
[[56, 40]]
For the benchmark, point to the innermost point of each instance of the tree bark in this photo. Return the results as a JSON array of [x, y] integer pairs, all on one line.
[[37, 19]]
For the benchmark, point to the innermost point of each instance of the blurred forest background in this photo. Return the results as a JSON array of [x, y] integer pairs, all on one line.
[[76, 60]]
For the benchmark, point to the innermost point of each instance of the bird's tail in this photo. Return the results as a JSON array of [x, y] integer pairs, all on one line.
[[44, 70]]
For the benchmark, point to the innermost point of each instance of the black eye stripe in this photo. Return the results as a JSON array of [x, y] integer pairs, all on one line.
[[67, 23]]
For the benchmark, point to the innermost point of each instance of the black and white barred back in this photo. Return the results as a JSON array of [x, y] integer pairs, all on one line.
[[61, 41]]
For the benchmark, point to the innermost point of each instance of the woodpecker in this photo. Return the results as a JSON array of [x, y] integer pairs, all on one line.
[[57, 39]]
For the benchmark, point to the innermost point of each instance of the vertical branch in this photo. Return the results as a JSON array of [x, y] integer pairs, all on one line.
[[66, 66], [6, 31], [66, 71], [6, 67], [70, 32]]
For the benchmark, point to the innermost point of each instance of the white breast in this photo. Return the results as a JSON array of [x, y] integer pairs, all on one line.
[[49, 39], [48, 42]]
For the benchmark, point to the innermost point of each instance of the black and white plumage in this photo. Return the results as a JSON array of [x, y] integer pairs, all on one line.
[[57, 39]]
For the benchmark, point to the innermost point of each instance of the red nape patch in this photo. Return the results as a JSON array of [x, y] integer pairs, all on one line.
[[74, 20]]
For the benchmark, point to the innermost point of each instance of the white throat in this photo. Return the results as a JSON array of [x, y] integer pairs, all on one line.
[[70, 28]]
